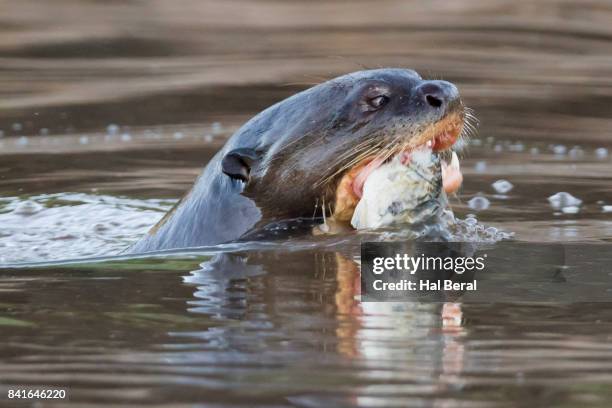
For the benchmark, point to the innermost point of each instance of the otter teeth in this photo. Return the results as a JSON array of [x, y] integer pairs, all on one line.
[[451, 175], [454, 164]]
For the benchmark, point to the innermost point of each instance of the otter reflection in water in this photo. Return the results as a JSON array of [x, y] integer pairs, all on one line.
[[305, 304]]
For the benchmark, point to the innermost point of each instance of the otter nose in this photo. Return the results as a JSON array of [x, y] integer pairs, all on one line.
[[439, 94]]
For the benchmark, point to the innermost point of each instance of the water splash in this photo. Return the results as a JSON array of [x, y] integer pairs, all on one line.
[[450, 228], [72, 225]]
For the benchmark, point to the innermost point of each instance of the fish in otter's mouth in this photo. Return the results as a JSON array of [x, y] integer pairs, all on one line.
[[408, 189], [406, 184]]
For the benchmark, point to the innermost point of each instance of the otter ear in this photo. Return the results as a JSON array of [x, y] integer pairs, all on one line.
[[237, 163]]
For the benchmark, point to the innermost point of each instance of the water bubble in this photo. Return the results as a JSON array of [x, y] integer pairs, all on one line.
[[502, 186], [517, 147], [476, 142], [534, 151], [601, 152], [22, 141], [208, 138], [572, 209], [480, 166], [17, 127], [606, 208], [559, 149], [112, 129], [563, 199], [479, 203], [471, 230], [498, 148], [126, 137], [324, 227], [575, 152], [178, 135], [84, 140], [471, 221], [216, 127]]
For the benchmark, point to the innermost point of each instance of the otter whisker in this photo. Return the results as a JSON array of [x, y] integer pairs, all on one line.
[[314, 213], [471, 119], [467, 125], [361, 156], [356, 159], [358, 155], [467, 133], [470, 125], [324, 227], [357, 148]]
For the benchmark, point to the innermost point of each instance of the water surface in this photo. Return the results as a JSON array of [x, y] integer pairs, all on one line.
[[108, 112]]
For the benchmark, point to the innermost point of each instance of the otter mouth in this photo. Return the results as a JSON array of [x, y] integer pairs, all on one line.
[[438, 137]]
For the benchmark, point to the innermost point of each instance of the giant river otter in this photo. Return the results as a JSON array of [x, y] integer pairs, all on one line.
[[310, 154]]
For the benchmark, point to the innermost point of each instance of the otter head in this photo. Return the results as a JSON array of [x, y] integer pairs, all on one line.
[[311, 153]]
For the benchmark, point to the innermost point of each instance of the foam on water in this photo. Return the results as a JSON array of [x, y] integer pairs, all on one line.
[[450, 228], [73, 225], [470, 230]]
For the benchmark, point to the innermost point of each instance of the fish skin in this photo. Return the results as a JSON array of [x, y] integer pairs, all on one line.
[[396, 193]]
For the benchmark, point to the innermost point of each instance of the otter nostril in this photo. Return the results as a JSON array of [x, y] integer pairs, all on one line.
[[433, 101]]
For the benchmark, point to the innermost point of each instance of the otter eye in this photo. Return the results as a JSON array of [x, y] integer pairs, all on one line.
[[378, 101]]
